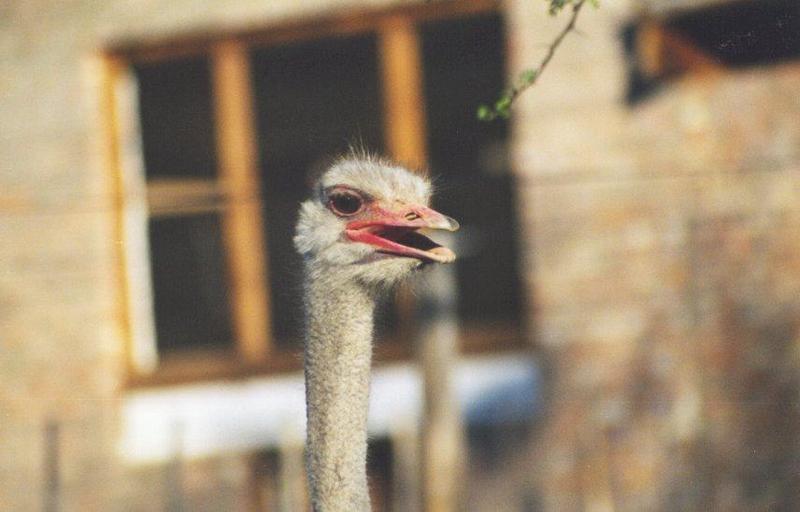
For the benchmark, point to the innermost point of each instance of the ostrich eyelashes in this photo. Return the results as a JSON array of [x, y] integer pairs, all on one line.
[[345, 203]]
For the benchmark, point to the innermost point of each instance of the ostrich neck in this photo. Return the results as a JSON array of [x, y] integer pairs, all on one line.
[[338, 353]]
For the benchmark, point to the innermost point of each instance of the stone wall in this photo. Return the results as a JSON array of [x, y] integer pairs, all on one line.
[[664, 260]]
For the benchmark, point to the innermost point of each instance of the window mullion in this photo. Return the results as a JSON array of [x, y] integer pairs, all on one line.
[[401, 67], [243, 232]]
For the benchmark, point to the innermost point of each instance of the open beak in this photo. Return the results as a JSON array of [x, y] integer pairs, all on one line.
[[397, 232]]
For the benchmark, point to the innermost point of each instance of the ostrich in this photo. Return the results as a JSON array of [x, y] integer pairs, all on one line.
[[358, 235]]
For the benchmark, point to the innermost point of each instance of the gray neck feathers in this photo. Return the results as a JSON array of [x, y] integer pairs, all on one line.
[[338, 353]]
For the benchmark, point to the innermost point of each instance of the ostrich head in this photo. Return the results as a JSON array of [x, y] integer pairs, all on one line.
[[363, 223]]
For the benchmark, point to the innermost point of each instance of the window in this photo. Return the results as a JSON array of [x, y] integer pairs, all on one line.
[[733, 35], [222, 138], [743, 33], [463, 63], [187, 254]]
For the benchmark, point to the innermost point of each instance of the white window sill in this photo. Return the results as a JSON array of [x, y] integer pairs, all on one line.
[[213, 418]]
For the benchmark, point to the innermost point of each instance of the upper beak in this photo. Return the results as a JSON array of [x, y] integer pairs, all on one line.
[[424, 217], [394, 231]]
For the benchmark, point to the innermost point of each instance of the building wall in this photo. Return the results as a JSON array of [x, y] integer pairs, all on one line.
[[664, 261]]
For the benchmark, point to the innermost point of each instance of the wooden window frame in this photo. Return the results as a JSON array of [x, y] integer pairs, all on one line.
[[663, 52], [136, 200]]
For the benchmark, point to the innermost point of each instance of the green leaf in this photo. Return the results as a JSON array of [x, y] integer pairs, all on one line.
[[503, 104], [485, 113], [556, 6], [527, 77]]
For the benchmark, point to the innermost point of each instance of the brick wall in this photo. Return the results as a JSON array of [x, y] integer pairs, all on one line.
[[664, 261]]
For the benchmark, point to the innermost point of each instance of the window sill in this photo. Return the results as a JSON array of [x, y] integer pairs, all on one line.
[[202, 420]]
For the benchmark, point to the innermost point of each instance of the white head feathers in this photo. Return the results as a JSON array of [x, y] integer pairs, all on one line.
[[320, 236]]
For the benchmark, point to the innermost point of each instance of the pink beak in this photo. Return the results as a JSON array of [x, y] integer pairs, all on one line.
[[396, 232]]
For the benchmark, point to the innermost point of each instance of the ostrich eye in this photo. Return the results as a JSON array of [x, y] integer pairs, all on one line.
[[346, 203]]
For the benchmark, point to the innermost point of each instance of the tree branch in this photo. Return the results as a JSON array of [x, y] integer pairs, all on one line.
[[526, 79]]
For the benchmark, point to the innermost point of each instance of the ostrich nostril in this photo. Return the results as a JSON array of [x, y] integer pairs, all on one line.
[[411, 216]]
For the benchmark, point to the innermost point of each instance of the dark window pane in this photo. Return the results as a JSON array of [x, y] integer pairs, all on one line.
[[744, 33], [314, 100], [177, 119], [189, 280], [464, 66]]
